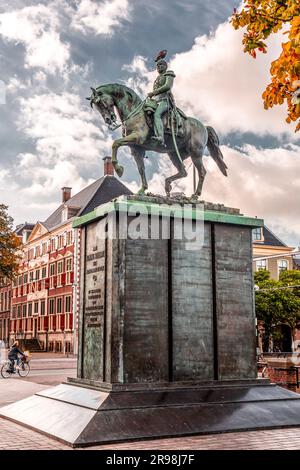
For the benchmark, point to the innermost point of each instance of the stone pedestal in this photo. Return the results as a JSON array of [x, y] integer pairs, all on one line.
[[167, 309], [167, 343]]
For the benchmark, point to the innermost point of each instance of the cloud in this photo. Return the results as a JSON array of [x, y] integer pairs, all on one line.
[[62, 127], [100, 17], [67, 151], [221, 85], [36, 200], [261, 182], [37, 28]]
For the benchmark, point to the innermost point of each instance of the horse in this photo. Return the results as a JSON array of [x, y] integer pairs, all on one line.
[[190, 142]]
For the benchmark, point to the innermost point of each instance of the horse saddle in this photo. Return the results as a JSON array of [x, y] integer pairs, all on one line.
[[150, 108]]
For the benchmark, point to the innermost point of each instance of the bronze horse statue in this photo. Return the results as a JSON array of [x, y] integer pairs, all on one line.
[[190, 141]]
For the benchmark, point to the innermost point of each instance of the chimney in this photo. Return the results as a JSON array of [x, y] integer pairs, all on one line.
[[108, 168], [66, 193]]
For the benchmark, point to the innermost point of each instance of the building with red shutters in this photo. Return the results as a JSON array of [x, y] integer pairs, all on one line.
[[45, 293], [22, 231], [5, 301]]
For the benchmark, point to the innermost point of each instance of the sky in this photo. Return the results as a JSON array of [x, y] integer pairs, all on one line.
[[52, 52]]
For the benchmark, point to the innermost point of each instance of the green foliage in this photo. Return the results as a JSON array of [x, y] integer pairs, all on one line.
[[9, 244], [261, 275], [260, 19], [277, 302]]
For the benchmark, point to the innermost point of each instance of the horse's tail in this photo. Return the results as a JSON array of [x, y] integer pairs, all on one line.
[[214, 149]]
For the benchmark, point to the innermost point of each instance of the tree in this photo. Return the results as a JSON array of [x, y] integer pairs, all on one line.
[[262, 18], [277, 302], [9, 244]]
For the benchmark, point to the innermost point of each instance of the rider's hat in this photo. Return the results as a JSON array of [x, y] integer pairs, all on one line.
[[161, 55]]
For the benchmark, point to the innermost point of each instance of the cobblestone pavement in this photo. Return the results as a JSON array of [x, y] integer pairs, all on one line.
[[15, 437]]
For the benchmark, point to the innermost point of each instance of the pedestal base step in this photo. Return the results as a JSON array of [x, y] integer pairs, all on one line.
[[82, 417]]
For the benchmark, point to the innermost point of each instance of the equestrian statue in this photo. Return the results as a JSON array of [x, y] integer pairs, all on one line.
[[156, 124]]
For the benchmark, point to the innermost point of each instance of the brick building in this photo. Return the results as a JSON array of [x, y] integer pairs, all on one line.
[[22, 231], [5, 301], [44, 298]]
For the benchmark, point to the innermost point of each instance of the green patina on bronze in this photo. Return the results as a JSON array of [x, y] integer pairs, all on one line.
[[170, 132], [168, 211]]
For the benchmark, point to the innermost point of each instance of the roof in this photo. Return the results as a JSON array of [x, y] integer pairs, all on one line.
[[21, 227], [297, 262], [101, 191], [270, 239]]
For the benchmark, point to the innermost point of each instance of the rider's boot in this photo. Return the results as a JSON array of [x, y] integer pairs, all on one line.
[[158, 132], [159, 140]]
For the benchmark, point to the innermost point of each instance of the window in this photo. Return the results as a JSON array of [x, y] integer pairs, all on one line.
[[36, 307], [19, 280], [31, 276], [24, 311], [25, 278], [69, 264], [52, 269], [69, 238], [261, 264], [51, 306], [44, 248], [30, 309], [19, 311], [44, 272], [59, 305], [257, 234], [43, 307], [60, 267], [37, 274], [60, 241], [52, 245], [68, 304], [37, 251], [282, 265]]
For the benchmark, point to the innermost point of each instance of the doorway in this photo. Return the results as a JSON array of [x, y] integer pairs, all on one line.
[[35, 327]]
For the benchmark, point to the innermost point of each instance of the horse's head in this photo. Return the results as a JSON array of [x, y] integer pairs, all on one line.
[[104, 103]]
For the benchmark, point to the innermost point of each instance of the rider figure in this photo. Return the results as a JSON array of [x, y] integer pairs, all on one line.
[[13, 354], [162, 94]]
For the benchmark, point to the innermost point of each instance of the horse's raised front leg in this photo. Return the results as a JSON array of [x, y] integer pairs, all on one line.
[[131, 138], [139, 155]]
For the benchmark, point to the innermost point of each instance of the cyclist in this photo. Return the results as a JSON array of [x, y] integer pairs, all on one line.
[[13, 355]]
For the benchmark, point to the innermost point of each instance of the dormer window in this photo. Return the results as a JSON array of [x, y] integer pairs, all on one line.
[[68, 212], [64, 214], [257, 235]]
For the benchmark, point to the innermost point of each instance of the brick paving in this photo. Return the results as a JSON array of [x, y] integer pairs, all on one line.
[[16, 437]]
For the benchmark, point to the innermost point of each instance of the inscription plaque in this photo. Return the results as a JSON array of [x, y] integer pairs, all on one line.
[[94, 303]]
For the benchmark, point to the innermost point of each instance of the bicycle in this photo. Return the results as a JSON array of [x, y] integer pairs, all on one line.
[[8, 369]]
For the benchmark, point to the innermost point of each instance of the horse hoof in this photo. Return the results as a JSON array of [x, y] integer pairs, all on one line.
[[141, 192], [119, 170], [194, 197]]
